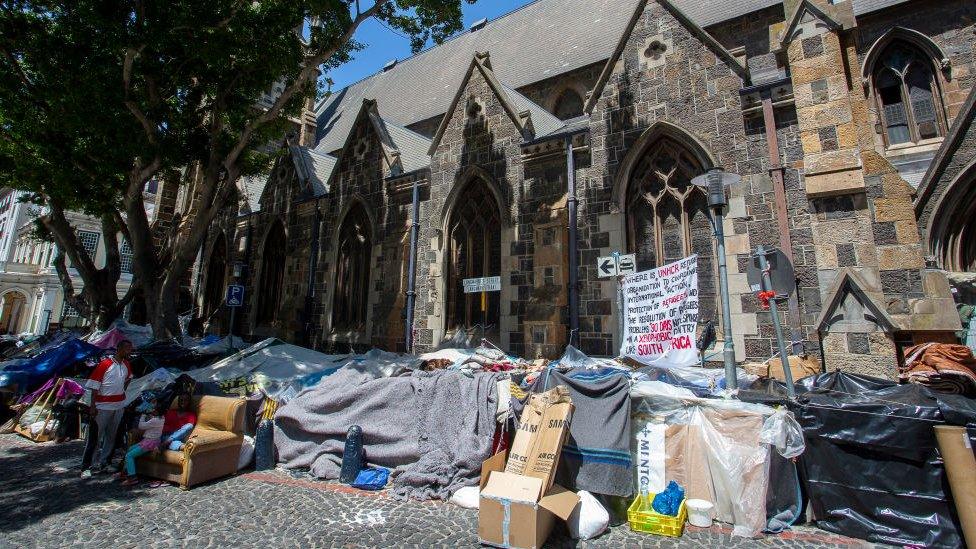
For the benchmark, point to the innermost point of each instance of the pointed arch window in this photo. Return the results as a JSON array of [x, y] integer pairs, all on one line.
[[349, 306], [216, 277], [667, 216], [568, 105], [474, 251], [907, 94], [272, 274]]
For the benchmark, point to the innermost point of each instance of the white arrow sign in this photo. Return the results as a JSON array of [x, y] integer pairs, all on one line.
[[606, 266]]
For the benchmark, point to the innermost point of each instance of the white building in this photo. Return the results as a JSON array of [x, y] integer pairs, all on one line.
[[31, 297]]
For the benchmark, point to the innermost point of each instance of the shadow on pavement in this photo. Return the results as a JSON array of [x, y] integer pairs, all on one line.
[[42, 480]]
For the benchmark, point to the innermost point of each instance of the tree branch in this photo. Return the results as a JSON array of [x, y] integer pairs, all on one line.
[[312, 64]]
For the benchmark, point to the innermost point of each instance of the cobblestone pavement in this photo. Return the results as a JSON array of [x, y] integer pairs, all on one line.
[[43, 503]]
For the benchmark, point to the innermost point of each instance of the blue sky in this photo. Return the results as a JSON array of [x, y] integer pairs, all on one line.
[[384, 45]]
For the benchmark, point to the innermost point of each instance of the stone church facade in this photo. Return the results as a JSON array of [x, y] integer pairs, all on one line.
[[849, 122]]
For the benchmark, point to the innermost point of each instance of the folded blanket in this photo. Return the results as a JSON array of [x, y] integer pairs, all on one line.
[[432, 428], [942, 367], [597, 456]]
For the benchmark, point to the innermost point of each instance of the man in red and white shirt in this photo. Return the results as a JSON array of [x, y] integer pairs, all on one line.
[[107, 385]]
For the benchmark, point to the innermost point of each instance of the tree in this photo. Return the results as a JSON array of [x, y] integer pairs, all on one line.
[[64, 149], [176, 83]]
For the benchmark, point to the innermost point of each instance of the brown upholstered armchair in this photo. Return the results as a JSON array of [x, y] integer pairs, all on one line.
[[212, 449]]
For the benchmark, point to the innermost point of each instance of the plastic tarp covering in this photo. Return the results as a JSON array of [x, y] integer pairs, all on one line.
[[120, 329], [30, 373], [276, 366], [701, 381], [574, 358], [109, 339], [872, 464], [157, 379], [220, 346], [718, 450], [167, 353]]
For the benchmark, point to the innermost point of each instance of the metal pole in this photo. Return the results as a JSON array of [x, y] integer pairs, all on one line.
[[620, 310], [731, 382], [233, 313], [782, 222], [412, 267], [573, 259], [313, 260], [784, 356]]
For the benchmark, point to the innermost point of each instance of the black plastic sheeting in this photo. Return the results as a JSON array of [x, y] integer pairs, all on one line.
[[872, 468], [170, 355]]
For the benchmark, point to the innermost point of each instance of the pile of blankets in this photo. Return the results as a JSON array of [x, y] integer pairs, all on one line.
[[943, 367], [433, 429]]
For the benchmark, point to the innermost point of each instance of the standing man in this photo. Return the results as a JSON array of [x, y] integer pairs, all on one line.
[[107, 385]]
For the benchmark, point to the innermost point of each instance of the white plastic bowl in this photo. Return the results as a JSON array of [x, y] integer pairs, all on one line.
[[699, 512]]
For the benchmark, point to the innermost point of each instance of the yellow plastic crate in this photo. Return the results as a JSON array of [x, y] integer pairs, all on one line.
[[642, 518]]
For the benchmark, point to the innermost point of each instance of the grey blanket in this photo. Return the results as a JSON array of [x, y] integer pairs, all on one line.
[[432, 428], [597, 456]]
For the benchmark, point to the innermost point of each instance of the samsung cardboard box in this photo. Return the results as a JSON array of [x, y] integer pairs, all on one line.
[[515, 511], [519, 502], [543, 429]]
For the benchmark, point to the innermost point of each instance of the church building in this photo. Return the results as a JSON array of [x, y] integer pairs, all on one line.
[[568, 130]]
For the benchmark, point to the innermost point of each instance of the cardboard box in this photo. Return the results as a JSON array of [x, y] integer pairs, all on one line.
[[514, 509], [542, 431]]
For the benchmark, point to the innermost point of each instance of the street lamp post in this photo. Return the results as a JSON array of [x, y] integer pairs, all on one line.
[[714, 181]]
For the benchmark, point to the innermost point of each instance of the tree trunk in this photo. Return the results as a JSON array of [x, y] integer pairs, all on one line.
[[98, 300]]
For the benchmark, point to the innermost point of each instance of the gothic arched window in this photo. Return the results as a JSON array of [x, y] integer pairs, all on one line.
[[213, 296], [568, 105], [474, 251], [667, 216], [272, 274], [907, 94], [351, 298]]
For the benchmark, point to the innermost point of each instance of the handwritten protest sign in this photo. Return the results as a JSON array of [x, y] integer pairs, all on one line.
[[661, 314]]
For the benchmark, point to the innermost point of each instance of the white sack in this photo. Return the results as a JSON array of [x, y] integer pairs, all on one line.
[[466, 497], [589, 519]]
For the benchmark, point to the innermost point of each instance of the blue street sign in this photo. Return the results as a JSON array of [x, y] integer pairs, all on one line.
[[235, 295]]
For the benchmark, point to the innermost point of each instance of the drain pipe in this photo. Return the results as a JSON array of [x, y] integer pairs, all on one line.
[[313, 259], [573, 252], [412, 266]]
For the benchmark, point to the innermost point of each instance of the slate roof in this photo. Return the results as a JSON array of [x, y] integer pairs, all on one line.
[[412, 146], [313, 167], [252, 187], [867, 6], [522, 50], [537, 41], [543, 121]]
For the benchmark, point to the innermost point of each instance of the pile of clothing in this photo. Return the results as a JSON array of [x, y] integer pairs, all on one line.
[[942, 367]]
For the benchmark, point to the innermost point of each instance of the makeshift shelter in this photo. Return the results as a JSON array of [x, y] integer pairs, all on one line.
[[170, 355], [218, 346], [433, 428], [270, 365], [717, 449], [24, 375], [37, 420], [872, 466]]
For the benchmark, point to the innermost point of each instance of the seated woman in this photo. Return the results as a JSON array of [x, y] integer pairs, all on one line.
[[178, 423]]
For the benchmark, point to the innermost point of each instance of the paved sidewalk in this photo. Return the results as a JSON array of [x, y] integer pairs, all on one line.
[[43, 503]]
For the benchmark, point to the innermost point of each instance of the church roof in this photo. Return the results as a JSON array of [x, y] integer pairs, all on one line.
[[251, 188], [538, 41], [314, 168]]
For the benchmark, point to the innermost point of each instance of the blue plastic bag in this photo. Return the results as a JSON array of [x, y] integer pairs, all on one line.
[[669, 501], [371, 478]]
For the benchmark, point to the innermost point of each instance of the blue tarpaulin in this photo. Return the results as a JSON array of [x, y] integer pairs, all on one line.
[[28, 373]]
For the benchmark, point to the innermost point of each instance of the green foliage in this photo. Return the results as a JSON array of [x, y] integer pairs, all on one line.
[[90, 89], [99, 96]]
